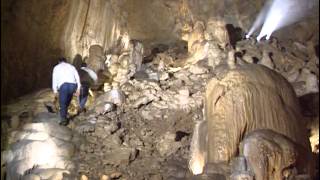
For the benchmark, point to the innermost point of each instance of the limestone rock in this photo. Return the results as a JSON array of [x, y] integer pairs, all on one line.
[[46, 117], [121, 156], [136, 54], [141, 101], [216, 29], [105, 177], [113, 142], [104, 107], [255, 148], [215, 54], [96, 58], [53, 129], [84, 177], [26, 154], [33, 136], [167, 145], [163, 58], [225, 92], [147, 114], [114, 96], [85, 128], [196, 69], [164, 76], [266, 60], [309, 83], [40, 149]]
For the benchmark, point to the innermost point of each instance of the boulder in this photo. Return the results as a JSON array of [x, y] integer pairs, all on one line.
[[119, 157], [265, 149]]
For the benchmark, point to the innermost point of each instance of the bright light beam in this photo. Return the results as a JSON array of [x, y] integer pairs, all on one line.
[[260, 19], [277, 14]]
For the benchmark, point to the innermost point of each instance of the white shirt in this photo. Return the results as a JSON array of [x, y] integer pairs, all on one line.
[[91, 73], [64, 73]]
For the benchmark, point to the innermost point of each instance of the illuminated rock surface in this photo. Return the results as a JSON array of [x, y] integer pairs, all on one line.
[[247, 98]]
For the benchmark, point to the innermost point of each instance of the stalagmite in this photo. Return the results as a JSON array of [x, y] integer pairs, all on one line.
[[246, 98]]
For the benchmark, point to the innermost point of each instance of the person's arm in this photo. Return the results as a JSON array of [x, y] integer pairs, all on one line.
[[54, 81], [76, 74]]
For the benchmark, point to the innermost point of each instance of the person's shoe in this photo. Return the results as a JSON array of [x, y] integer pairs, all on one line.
[[64, 122], [81, 110]]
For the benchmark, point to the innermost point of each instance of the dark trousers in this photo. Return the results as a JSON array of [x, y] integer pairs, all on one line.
[[66, 92], [84, 92]]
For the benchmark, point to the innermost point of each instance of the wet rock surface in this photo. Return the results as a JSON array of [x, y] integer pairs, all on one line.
[[41, 149], [143, 131]]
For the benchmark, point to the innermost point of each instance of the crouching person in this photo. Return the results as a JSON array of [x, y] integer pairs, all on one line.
[[87, 78]]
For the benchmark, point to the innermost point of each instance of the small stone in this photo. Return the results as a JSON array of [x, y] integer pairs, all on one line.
[[115, 96], [105, 177], [85, 128], [154, 76], [115, 175], [120, 156], [141, 101], [106, 87], [108, 107], [84, 177], [196, 69], [184, 92], [164, 76], [167, 144]]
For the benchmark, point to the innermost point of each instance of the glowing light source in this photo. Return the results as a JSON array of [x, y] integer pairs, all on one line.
[[277, 14]]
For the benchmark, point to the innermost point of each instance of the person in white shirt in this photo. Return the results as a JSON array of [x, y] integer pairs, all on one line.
[[66, 81]]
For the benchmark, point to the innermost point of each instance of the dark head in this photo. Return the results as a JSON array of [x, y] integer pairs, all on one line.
[[62, 59], [83, 64]]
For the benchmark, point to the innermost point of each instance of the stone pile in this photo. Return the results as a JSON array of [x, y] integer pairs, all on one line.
[[297, 63]]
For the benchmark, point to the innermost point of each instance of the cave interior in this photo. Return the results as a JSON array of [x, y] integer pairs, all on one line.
[[173, 76]]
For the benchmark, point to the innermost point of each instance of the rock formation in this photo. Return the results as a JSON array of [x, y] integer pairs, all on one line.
[[41, 149], [270, 155], [247, 98]]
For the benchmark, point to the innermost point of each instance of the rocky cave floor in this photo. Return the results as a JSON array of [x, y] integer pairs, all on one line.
[[147, 136]]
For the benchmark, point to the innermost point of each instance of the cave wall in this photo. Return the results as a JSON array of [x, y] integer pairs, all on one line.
[[90, 22], [34, 33], [30, 33]]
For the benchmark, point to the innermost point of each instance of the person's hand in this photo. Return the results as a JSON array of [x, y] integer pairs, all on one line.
[[77, 93], [55, 97]]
